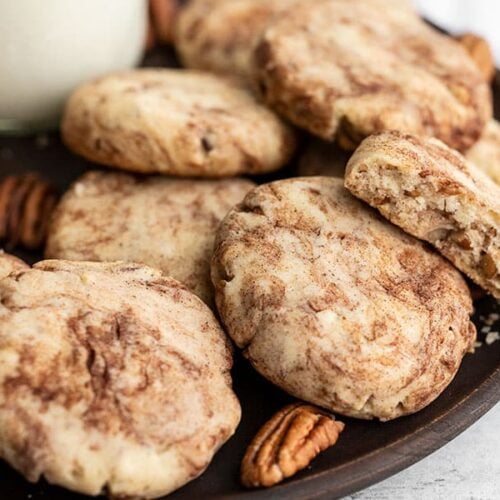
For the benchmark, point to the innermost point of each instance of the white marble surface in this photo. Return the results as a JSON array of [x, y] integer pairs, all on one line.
[[467, 468]]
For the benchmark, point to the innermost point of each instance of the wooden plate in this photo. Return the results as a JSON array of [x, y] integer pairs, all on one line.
[[366, 453]]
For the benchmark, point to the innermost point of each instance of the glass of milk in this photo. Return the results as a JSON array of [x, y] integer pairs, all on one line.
[[48, 47]]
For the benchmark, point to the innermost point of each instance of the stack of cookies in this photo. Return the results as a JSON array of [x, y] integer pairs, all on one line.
[[326, 282]]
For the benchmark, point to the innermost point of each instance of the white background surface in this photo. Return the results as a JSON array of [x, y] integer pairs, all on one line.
[[468, 468]]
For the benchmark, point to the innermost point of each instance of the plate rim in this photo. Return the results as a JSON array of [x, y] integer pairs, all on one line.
[[384, 462]]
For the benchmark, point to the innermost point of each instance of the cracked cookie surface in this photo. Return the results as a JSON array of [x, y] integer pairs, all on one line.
[[335, 305], [346, 69], [166, 223], [112, 377], [175, 122]]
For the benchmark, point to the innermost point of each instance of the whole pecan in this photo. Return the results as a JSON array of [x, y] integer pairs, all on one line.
[[480, 52], [287, 443], [162, 15]]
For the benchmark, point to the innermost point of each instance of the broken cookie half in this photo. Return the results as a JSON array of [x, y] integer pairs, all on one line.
[[434, 194]]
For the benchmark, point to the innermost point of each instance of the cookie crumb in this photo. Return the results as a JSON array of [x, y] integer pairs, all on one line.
[[492, 337]]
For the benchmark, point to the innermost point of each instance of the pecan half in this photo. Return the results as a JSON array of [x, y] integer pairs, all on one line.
[[488, 266], [162, 14], [287, 443], [480, 52]]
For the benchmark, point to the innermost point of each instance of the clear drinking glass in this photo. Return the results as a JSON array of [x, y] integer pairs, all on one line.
[[47, 47]]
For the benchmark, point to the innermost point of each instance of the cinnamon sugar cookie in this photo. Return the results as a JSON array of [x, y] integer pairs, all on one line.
[[175, 122], [165, 223], [485, 154], [345, 69], [335, 305], [113, 378]]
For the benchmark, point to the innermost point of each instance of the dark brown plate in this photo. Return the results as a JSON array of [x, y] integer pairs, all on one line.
[[366, 453]]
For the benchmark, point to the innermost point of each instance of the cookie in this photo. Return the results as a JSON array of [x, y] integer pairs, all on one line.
[[221, 35], [433, 193], [113, 378], [322, 158], [480, 52], [165, 223], [343, 69], [335, 305], [175, 122], [485, 154], [9, 264]]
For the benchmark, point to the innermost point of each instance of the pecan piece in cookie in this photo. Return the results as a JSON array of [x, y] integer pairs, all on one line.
[[287, 443]]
